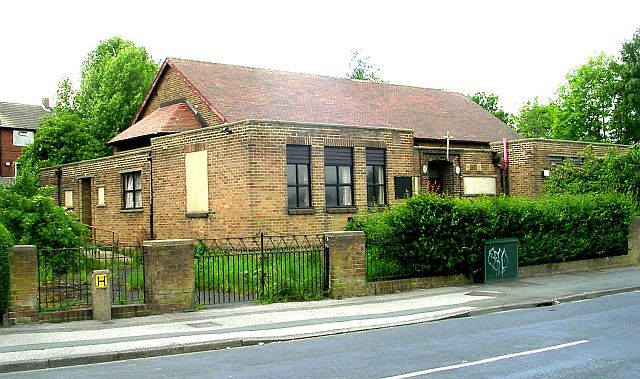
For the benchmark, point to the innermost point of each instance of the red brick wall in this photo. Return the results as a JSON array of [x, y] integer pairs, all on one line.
[[8, 153]]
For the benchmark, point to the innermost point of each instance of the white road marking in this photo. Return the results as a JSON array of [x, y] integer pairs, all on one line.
[[484, 361]]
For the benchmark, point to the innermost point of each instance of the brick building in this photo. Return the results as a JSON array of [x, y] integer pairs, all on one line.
[[18, 123], [218, 150]]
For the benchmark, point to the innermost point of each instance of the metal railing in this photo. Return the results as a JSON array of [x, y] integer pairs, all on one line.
[[107, 236], [261, 268], [64, 275]]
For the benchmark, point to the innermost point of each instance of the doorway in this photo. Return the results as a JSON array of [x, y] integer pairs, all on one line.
[[85, 198]]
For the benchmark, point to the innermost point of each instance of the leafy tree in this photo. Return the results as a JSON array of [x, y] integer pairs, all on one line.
[[361, 69], [489, 102], [536, 120], [626, 116], [114, 80], [586, 102]]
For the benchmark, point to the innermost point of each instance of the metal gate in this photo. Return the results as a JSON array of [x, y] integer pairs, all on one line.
[[64, 275], [261, 268]]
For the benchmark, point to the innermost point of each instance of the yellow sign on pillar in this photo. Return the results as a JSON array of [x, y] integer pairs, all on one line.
[[101, 280]]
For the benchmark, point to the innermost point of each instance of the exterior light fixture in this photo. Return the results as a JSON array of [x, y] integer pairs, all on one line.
[[546, 173]]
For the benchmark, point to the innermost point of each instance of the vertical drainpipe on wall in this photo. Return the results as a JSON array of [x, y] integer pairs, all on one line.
[[59, 176], [150, 159]]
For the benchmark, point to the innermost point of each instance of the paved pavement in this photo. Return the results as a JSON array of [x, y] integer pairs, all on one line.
[[39, 346]]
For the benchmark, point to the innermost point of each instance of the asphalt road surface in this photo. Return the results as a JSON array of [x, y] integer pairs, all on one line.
[[597, 338]]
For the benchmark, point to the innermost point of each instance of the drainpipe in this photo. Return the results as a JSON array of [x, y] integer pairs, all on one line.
[[150, 159], [59, 176]]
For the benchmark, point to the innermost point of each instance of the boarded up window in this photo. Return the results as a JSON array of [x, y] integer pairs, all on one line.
[[68, 199], [101, 196], [197, 178], [479, 185]]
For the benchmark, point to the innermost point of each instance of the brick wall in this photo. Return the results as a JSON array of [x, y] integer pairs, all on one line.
[[8, 153], [473, 160], [130, 225], [172, 86], [23, 298], [529, 157]]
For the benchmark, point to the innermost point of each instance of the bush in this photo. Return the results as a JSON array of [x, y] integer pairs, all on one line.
[[5, 244], [441, 236], [32, 217], [614, 173]]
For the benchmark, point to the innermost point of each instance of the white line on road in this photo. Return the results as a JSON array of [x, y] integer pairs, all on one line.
[[484, 361]]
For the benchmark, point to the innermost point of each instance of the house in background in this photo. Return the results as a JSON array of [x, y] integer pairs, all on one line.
[[18, 123], [219, 150]]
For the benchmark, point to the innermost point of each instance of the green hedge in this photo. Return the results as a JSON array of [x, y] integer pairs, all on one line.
[[439, 236], [5, 244]]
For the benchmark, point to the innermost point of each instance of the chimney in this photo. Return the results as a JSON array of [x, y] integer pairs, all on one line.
[[45, 103]]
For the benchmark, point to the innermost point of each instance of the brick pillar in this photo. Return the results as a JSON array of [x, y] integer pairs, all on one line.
[[23, 298], [347, 264], [634, 242], [168, 275]]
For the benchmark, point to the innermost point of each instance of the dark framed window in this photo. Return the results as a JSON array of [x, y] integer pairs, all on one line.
[[404, 187], [131, 191], [298, 176], [376, 183], [338, 176]]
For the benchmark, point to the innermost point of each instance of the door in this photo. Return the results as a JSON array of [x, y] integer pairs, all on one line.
[[85, 197]]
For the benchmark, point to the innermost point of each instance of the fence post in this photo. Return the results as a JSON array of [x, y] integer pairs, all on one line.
[[347, 260], [262, 294], [101, 295], [169, 275], [23, 298], [634, 242]]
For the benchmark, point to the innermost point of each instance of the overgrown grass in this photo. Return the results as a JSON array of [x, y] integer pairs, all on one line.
[[276, 276]]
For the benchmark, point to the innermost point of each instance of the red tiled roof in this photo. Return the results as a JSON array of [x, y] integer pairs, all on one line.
[[170, 119], [240, 93]]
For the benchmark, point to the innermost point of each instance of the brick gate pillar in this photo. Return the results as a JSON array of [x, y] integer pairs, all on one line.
[[23, 297], [634, 242], [168, 275], [347, 264]]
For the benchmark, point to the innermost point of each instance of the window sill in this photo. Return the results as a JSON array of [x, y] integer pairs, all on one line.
[[301, 211], [131, 210], [342, 210], [197, 215]]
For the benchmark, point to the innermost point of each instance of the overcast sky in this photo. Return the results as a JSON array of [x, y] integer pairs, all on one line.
[[515, 49]]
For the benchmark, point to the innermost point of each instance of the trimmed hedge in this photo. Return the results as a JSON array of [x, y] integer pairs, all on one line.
[[5, 244], [434, 235]]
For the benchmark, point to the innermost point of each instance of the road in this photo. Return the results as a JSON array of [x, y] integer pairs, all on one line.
[[589, 339]]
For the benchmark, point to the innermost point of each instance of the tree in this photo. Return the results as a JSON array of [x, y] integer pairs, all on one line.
[[536, 120], [361, 69], [586, 102], [489, 102], [626, 116], [114, 80]]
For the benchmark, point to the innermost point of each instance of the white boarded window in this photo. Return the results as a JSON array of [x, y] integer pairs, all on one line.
[[101, 196], [68, 199], [479, 185], [197, 179]]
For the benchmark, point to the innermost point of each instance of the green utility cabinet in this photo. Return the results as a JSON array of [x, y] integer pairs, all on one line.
[[500, 259]]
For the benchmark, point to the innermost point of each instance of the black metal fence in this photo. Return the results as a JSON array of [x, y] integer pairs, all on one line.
[[261, 268], [380, 265], [64, 275]]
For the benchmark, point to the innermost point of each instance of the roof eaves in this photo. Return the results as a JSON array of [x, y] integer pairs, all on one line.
[[197, 91]]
